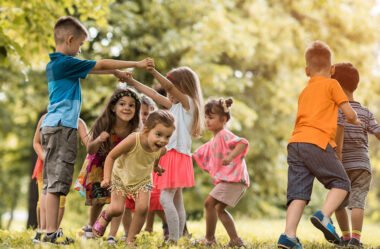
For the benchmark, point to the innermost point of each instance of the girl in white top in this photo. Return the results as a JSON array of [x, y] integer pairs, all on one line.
[[185, 102]]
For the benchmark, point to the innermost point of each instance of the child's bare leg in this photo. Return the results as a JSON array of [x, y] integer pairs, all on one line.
[[127, 219], [334, 199], [52, 207], [115, 223], [357, 216], [343, 221], [211, 217], [95, 210], [161, 214], [149, 221], [42, 213], [61, 212], [293, 216], [116, 207], [142, 207], [227, 221]]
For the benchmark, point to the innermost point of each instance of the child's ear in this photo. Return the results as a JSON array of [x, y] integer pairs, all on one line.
[[332, 70], [307, 71], [69, 39]]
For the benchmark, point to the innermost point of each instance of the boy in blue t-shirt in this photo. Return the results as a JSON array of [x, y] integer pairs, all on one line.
[[58, 130]]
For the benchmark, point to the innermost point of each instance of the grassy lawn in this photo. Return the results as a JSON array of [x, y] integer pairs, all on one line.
[[256, 233]]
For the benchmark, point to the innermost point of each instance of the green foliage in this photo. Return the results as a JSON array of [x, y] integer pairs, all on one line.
[[251, 50]]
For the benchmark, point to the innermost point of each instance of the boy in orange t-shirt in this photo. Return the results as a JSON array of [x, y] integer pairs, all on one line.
[[311, 152]]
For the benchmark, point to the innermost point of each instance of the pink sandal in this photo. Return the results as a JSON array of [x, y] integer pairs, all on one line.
[[99, 229]]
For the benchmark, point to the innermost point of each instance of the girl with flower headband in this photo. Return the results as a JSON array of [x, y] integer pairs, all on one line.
[[120, 118], [223, 158], [184, 101]]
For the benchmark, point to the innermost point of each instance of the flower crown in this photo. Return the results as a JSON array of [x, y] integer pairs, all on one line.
[[125, 92]]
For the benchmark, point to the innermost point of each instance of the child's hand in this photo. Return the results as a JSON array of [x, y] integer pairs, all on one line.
[[159, 170], [147, 63], [226, 160], [357, 122], [122, 76], [105, 183], [103, 137]]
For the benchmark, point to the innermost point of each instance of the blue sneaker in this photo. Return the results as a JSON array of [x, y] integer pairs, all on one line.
[[287, 243], [325, 224]]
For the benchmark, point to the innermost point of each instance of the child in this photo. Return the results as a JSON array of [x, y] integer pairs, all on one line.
[[223, 158], [311, 151], [37, 174], [119, 119], [184, 101], [352, 149], [64, 72], [147, 106], [131, 163]]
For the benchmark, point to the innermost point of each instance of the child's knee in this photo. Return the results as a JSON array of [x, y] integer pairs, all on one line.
[[142, 211], [115, 211], [220, 209], [209, 203]]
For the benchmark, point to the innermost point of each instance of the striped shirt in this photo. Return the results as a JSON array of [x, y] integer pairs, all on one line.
[[355, 144]]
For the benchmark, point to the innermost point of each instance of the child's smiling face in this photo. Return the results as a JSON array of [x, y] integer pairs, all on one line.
[[125, 108], [159, 136]]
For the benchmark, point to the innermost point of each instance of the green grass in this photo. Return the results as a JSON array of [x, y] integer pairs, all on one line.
[[256, 233]]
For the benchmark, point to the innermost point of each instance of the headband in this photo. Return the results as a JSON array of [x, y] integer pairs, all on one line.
[[124, 93]]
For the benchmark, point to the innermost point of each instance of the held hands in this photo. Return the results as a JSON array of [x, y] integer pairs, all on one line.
[[102, 137], [123, 76], [159, 170], [147, 64], [105, 183], [357, 122], [226, 160]]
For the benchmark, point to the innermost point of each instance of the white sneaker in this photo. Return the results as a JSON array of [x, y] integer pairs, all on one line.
[[111, 240], [88, 234]]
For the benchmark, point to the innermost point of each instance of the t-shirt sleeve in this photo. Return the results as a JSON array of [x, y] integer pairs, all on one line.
[[341, 118], [235, 140], [373, 126], [77, 68], [337, 93]]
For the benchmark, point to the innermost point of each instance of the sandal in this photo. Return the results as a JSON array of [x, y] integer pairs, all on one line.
[[98, 229], [205, 242], [237, 243]]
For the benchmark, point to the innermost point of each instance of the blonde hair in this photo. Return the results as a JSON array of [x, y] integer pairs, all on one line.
[[318, 56], [187, 81]]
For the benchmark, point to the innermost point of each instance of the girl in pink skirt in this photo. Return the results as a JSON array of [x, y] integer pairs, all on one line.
[[184, 101], [223, 158]]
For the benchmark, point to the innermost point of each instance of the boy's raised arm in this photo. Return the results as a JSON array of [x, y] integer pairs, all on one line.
[[109, 64]]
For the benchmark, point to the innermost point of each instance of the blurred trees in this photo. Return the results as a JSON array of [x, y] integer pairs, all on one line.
[[251, 50]]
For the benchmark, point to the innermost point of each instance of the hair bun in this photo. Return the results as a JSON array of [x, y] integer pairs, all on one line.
[[229, 102]]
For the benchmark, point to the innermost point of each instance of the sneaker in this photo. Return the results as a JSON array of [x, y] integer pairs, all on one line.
[[87, 232], [58, 238], [325, 224], [343, 242], [124, 237], [354, 243], [288, 243], [37, 238], [111, 240]]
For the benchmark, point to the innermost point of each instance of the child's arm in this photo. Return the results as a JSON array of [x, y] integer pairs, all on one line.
[[150, 92], [171, 89], [239, 148], [349, 113], [37, 146], [94, 144], [123, 147], [157, 167], [83, 132], [109, 64], [339, 138]]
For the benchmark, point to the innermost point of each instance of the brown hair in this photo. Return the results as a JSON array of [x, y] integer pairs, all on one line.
[[145, 100], [107, 120], [159, 117], [318, 56], [347, 76], [187, 81], [68, 25], [220, 107]]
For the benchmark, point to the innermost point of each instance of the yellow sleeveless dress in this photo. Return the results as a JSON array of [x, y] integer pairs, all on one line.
[[132, 172]]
